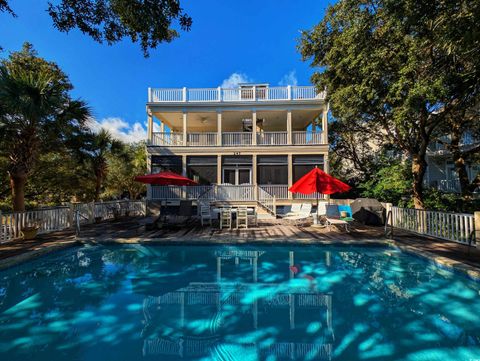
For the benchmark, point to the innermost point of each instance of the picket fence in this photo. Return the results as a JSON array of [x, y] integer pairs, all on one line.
[[456, 227], [58, 218]]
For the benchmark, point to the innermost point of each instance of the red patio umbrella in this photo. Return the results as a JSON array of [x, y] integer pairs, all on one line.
[[166, 178], [317, 181]]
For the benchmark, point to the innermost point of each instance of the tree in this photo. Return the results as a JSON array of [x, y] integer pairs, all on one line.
[[389, 67], [37, 114], [124, 168], [95, 151], [149, 22]]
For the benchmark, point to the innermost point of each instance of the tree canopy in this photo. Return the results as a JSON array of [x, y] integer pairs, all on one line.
[[397, 70], [148, 22]]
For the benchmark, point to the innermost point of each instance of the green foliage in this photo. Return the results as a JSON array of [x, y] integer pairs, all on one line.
[[149, 22], [37, 114], [391, 183], [397, 70], [123, 169]]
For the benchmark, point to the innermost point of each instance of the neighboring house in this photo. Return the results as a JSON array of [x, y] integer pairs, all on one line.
[[247, 144], [441, 173]]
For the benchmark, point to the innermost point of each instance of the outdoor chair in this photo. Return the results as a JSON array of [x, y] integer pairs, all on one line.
[[242, 217], [305, 212], [294, 210], [205, 214], [331, 216], [226, 218]]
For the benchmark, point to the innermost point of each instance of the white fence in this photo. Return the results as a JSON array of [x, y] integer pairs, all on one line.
[[272, 138], [59, 218], [457, 227], [304, 138], [280, 191]]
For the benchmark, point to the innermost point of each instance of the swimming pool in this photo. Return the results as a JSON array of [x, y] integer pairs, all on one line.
[[236, 303]]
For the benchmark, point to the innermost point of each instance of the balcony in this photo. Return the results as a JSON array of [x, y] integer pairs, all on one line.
[[242, 94], [236, 139]]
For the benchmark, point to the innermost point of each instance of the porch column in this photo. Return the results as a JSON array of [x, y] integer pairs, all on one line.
[[219, 169], [290, 174], [162, 127], [150, 126], [219, 128], [289, 127], [254, 129], [184, 128], [325, 124], [184, 165], [326, 169], [254, 176]]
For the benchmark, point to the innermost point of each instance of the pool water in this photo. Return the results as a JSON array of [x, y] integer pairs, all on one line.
[[236, 303]]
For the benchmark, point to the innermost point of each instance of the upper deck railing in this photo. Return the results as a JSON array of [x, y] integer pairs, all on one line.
[[253, 93]]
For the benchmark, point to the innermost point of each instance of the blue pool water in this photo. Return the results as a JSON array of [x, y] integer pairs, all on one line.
[[236, 303]]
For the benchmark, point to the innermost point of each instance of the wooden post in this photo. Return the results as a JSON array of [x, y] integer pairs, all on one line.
[[325, 125], [150, 126], [219, 169], [184, 129], [290, 174], [254, 127], [91, 212], [476, 223], [219, 128], [71, 218], [289, 127]]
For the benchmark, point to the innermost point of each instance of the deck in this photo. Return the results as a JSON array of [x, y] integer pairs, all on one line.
[[133, 230]]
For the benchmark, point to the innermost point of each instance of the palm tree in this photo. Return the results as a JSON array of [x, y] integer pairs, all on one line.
[[97, 148], [36, 114]]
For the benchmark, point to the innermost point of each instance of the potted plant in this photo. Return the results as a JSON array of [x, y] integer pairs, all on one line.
[[30, 230]]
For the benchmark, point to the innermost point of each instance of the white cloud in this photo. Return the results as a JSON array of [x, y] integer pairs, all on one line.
[[289, 79], [120, 129], [234, 79]]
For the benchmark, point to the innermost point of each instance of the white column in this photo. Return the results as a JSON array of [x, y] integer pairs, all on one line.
[[325, 124], [150, 126], [254, 169], [290, 174], [184, 165], [254, 128], [219, 169], [185, 114], [289, 127], [219, 128]]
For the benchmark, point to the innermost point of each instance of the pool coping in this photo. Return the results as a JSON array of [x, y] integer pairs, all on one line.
[[456, 266]]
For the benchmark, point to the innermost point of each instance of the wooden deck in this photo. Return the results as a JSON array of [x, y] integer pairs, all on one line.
[[133, 230]]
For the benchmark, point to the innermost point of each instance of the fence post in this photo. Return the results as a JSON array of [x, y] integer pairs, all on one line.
[[70, 215], [91, 212], [476, 223], [389, 219]]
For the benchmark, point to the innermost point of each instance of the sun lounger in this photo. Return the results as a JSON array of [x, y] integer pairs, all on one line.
[[294, 210], [304, 213], [332, 217]]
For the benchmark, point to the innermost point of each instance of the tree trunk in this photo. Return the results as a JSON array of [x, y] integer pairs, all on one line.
[[98, 187], [17, 184], [419, 166]]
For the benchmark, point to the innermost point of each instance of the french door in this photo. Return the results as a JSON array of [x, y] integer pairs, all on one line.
[[237, 175]]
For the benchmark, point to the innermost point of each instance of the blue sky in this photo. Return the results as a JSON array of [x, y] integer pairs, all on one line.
[[251, 40]]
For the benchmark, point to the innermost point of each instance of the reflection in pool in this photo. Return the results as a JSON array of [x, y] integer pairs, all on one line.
[[236, 303]]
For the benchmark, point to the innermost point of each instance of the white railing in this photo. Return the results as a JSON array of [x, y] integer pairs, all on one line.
[[60, 218], [280, 191], [226, 192], [272, 138], [167, 192], [308, 196], [202, 95], [267, 200], [304, 138], [166, 95], [457, 227], [196, 192], [167, 139], [449, 185], [234, 139], [46, 219], [202, 139], [253, 93]]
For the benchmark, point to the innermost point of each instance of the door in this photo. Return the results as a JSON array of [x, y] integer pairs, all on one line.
[[237, 176]]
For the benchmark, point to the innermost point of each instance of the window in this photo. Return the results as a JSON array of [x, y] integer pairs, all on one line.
[[302, 164], [272, 169], [170, 163], [202, 169]]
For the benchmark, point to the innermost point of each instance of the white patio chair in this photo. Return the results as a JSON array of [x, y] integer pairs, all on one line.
[[225, 218], [294, 210], [242, 217], [205, 214]]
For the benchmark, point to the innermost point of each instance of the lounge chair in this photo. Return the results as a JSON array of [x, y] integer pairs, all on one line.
[[305, 212], [294, 210], [331, 216]]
